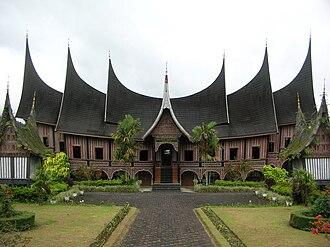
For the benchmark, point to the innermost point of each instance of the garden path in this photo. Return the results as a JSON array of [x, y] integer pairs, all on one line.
[[167, 218]]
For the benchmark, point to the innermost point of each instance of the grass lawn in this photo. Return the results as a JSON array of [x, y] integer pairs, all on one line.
[[267, 226], [67, 225]]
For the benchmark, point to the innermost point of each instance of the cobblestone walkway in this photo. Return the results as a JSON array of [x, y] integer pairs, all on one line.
[[167, 218]]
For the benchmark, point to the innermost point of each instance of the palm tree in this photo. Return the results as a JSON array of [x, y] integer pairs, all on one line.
[[124, 138], [205, 136]]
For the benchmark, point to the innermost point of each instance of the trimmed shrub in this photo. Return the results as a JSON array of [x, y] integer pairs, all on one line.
[[98, 183], [239, 183], [21, 222], [113, 189], [301, 220], [216, 189]]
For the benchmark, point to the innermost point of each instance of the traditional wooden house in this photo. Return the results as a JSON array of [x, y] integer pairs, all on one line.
[[21, 149], [254, 123]]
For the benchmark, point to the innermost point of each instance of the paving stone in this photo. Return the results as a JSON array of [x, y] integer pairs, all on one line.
[[167, 218]]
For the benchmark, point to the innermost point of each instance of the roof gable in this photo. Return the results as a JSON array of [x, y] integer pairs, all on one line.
[[49, 100]]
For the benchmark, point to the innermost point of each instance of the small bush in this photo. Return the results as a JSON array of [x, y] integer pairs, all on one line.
[[322, 205], [56, 188], [278, 174], [270, 182], [25, 194], [283, 189], [239, 183]]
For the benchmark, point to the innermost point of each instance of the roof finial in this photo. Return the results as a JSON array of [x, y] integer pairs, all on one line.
[[109, 55], [224, 53], [166, 78], [27, 33], [8, 85], [324, 87], [266, 43], [68, 42], [298, 99]]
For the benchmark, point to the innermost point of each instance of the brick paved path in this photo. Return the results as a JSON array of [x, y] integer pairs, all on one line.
[[167, 218]]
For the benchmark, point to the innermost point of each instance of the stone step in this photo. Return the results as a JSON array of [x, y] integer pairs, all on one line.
[[166, 186]]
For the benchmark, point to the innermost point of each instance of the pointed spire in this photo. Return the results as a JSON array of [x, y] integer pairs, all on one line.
[[166, 95], [266, 43], [27, 34], [323, 111], [298, 101], [166, 76], [68, 42], [8, 85]]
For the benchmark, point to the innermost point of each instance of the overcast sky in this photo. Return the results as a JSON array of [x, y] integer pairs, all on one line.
[[142, 35]]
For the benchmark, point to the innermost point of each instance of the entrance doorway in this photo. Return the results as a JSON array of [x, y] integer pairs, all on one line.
[[166, 154], [166, 167]]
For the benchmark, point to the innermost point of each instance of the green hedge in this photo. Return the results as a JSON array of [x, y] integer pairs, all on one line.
[[216, 188], [300, 221], [114, 189], [239, 183], [99, 183], [21, 222]]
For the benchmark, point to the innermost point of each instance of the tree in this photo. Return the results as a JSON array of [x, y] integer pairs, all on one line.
[[124, 138], [207, 140]]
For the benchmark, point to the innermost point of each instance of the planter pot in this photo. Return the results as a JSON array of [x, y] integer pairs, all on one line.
[[74, 194], [67, 198], [81, 192]]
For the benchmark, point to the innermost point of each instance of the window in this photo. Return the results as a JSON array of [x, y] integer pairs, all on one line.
[[143, 155], [287, 141], [188, 155], [62, 147], [233, 153], [255, 152], [45, 141], [99, 153], [271, 146], [76, 152]]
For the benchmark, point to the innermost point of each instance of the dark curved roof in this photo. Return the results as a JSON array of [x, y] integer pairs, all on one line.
[[205, 106], [251, 109], [286, 98], [82, 109], [48, 100], [121, 101]]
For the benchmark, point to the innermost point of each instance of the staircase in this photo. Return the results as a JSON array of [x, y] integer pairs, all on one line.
[[166, 187], [166, 174]]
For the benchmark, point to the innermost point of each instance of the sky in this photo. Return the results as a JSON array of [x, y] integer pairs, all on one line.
[[141, 36]]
